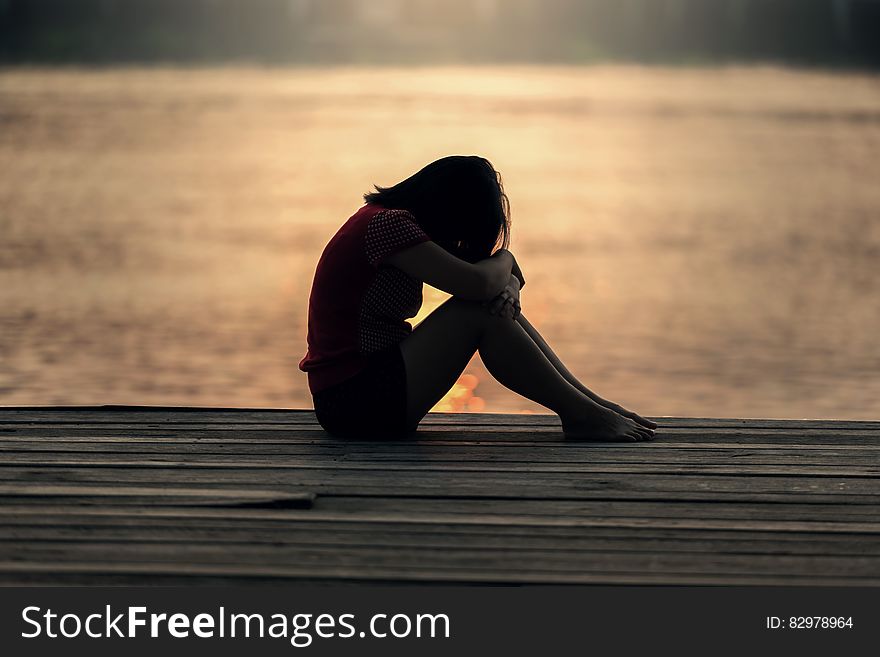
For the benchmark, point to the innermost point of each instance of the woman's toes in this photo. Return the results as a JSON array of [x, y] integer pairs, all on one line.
[[648, 424]]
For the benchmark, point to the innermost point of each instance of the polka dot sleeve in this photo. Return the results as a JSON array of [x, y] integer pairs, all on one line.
[[391, 231]]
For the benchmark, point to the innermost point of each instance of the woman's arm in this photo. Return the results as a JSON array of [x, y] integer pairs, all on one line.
[[516, 271], [432, 264]]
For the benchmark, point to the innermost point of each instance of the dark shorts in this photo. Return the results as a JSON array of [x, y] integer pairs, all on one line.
[[371, 404]]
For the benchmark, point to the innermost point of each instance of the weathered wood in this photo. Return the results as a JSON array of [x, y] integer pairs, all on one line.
[[238, 462], [153, 414], [441, 422], [50, 523], [140, 573], [428, 511], [133, 494], [236, 536], [654, 452], [454, 483], [513, 512], [450, 436], [751, 516], [163, 495], [729, 513], [449, 560]]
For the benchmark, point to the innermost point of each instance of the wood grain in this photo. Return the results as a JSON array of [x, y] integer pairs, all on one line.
[[110, 495]]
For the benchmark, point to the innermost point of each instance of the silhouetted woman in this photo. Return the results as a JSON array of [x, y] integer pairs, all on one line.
[[448, 225]]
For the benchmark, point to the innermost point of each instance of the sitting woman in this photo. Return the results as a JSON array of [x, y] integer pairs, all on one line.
[[372, 374]]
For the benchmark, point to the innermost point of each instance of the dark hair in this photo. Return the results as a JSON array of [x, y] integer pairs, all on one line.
[[459, 201]]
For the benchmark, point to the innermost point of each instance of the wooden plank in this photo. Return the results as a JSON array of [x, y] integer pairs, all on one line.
[[383, 526], [426, 431], [535, 485], [488, 510], [655, 452], [522, 440], [294, 416], [245, 536], [15, 514], [394, 477], [140, 573], [457, 451], [86, 519], [700, 512], [861, 471], [456, 559], [743, 463], [420, 450], [429, 426], [520, 436], [163, 495]]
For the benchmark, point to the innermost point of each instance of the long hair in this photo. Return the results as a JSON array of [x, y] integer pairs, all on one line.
[[459, 201]]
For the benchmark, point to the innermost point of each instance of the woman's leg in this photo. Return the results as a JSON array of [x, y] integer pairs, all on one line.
[[440, 347], [573, 380]]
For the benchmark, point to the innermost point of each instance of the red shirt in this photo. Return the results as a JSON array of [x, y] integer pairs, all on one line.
[[359, 306]]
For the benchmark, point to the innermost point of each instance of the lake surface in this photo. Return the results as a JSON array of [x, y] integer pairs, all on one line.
[[701, 242]]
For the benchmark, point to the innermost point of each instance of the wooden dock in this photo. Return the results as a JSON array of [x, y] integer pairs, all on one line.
[[109, 495]]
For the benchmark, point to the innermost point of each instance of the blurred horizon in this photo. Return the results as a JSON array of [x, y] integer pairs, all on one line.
[[836, 33]]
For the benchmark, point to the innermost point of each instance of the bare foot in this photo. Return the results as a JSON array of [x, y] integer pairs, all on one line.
[[598, 424], [635, 417]]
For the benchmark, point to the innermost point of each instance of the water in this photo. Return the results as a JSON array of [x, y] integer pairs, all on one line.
[[697, 242]]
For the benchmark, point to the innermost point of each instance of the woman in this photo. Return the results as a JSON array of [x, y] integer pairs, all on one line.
[[448, 225]]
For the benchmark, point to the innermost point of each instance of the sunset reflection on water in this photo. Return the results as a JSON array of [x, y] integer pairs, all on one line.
[[696, 241]]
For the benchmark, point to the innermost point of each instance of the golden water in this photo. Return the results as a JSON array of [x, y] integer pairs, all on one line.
[[696, 242]]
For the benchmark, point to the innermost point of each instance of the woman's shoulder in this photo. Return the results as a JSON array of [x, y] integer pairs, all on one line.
[[383, 220], [378, 219], [375, 222], [373, 211], [362, 218], [390, 230]]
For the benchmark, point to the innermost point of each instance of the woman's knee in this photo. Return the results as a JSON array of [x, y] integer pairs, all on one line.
[[467, 307], [475, 312]]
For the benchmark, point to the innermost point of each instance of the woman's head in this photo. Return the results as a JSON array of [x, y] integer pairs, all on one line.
[[459, 201]]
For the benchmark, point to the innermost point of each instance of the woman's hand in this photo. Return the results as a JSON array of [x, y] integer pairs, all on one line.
[[507, 302]]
